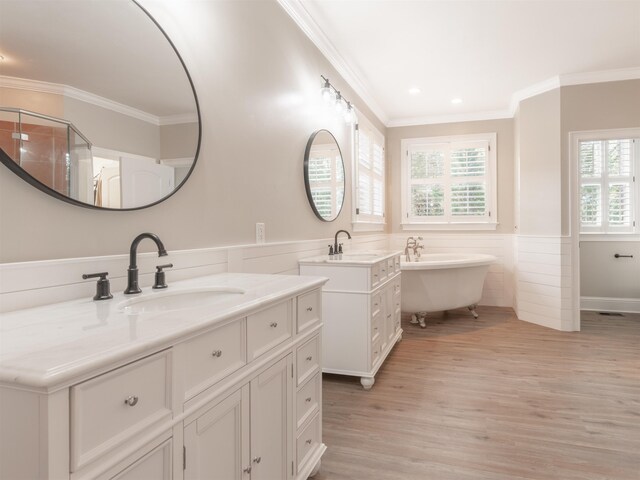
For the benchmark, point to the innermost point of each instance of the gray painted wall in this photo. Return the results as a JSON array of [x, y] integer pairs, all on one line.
[[258, 80], [505, 163]]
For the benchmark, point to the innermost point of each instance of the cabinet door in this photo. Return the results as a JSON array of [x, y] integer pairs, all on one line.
[[271, 406], [156, 465], [217, 442]]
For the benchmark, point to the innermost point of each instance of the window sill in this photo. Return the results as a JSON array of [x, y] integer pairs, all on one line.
[[449, 226], [368, 227], [609, 237]]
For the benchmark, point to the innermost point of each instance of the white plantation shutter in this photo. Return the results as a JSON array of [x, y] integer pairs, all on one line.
[[326, 177], [449, 180], [607, 185], [370, 173]]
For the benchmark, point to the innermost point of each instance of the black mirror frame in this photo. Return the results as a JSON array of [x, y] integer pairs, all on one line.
[[306, 175], [15, 168]]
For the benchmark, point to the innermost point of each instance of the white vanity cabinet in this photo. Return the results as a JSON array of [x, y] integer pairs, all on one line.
[[246, 433], [361, 311], [237, 399]]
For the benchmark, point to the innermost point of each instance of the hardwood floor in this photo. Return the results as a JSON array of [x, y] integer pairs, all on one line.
[[493, 398]]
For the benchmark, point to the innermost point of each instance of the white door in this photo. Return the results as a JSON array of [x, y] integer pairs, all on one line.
[[109, 196], [270, 423], [144, 181], [217, 442]]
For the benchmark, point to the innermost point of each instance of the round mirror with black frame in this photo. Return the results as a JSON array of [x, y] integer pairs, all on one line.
[[97, 107], [324, 175]]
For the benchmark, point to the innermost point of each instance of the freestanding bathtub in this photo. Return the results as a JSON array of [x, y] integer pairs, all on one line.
[[443, 281]]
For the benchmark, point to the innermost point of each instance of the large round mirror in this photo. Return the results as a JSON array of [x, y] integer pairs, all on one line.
[[96, 105], [324, 175]]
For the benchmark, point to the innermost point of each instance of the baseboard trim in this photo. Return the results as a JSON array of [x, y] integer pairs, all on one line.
[[610, 304]]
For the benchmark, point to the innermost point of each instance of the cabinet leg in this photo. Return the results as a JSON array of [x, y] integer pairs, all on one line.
[[399, 338], [316, 469], [367, 382], [472, 309]]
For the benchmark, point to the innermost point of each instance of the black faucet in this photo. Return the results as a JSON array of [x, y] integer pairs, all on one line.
[[132, 271], [335, 243]]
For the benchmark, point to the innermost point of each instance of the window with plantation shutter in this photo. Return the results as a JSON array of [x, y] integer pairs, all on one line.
[[449, 182], [369, 178], [607, 185], [326, 179]]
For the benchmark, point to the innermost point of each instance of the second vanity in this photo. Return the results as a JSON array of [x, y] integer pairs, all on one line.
[[361, 309], [217, 378]]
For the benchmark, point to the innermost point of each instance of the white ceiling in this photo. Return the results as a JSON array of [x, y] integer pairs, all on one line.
[[479, 51]]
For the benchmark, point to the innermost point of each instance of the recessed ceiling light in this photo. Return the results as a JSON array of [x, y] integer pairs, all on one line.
[[455, 101], [414, 90]]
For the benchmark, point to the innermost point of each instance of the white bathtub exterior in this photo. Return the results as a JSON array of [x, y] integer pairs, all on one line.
[[443, 281]]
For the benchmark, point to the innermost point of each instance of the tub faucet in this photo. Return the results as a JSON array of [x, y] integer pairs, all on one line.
[[337, 247], [413, 244], [132, 271]]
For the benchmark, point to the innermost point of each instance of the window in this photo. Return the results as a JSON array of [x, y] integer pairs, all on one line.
[[607, 185], [449, 182], [326, 179], [369, 178]]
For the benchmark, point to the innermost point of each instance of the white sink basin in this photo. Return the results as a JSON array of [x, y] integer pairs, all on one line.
[[178, 300]]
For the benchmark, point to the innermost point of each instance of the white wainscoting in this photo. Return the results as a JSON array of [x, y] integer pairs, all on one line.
[[498, 286], [608, 304], [543, 281], [30, 284]]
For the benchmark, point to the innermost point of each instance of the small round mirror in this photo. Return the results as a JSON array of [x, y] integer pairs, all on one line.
[[324, 175]]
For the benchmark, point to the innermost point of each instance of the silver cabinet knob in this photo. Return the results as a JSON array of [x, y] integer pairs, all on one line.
[[309, 309], [309, 358], [247, 470], [257, 459], [131, 400], [274, 325], [308, 399], [216, 353], [308, 442]]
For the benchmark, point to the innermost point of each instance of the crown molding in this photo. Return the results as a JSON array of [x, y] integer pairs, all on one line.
[[93, 99], [300, 15], [602, 76], [531, 91], [453, 118], [178, 119]]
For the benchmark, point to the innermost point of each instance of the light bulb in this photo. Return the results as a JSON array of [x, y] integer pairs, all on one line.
[[349, 114], [339, 103], [326, 92]]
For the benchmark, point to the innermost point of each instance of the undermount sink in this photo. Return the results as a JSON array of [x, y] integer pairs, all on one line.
[[178, 300]]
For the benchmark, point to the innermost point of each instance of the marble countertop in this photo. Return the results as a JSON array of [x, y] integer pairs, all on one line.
[[351, 258], [45, 347]]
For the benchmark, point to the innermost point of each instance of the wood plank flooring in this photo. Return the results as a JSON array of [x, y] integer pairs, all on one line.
[[493, 398]]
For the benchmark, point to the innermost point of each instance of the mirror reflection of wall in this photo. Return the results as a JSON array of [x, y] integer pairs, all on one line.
[[324, 175], [123, 89]]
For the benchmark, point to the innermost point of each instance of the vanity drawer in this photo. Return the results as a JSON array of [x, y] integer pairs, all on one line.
[[376, 326], [212, 356], [375, 275], [309, 306], [376, 351], [383, 269], [268, 328], [308, 359], [308, 441], [398, 321], [376, 303], [308, 400], [112, 407]]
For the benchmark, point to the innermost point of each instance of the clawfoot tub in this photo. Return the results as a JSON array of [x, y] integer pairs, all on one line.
[[443, 281]]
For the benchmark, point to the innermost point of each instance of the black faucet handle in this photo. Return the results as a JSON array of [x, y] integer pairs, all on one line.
[[160, 281], [103, 288], [339, 248], [330, 249]]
